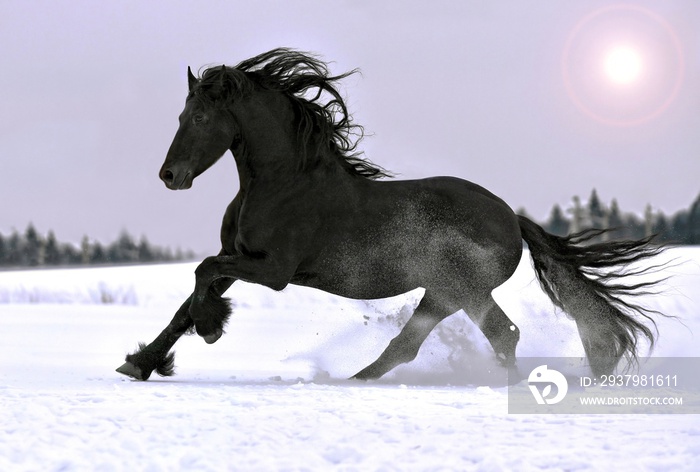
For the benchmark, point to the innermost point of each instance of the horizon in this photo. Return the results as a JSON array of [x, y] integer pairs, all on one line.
[[567, 212]]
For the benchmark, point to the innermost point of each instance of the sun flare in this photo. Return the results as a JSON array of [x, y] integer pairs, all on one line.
[[623, 65]]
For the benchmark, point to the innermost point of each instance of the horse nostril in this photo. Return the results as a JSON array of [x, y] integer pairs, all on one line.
[[167, 176]]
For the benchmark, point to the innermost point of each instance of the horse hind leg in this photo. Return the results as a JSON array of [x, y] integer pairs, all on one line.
[[501, 333], [604, 339], [404, 347]]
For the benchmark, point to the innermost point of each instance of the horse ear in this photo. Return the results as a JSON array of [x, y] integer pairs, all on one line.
[[224, 82], [191, 79]]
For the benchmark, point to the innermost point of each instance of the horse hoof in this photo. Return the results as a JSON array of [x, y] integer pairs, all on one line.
[[212, 338], [365, 374], [130, 370]]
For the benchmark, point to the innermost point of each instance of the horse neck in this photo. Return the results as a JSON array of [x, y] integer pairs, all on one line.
[[270, 151], [292, 170]]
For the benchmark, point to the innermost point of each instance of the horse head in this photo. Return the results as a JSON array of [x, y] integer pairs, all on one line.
[[277, 112], [206, 131]]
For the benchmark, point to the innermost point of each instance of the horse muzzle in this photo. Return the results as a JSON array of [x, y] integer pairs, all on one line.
[[175, 180]]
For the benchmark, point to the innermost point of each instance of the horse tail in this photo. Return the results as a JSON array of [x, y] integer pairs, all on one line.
[[584, 281]]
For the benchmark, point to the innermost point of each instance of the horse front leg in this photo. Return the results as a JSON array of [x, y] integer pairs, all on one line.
[[156, 356], [208, 310]]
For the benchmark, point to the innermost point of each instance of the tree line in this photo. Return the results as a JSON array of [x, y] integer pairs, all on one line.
[[31, 249], [682, 228]]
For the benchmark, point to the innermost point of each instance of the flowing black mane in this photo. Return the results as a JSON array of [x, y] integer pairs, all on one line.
[[324, 118]]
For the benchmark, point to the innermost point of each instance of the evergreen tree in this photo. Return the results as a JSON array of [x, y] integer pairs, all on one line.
[[634, 227], [648, 221], [615, 221], [523, 212], [614, 216], [679, 228], [85, 250], [144, 250], [596, 211], [694, 223], [32, 246], [558, 224], [52, 253], [577, 218], [661, 228], [15, 250], [123, 249], [70, 255], [3, 251], [98, 254]]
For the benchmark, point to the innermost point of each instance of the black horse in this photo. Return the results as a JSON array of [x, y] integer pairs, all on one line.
[[310, 211]]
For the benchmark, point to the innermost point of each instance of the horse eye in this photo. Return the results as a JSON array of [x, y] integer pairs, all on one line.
[[198, 118]]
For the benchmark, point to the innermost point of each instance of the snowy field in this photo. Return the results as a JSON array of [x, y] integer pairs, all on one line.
[[271, 394]]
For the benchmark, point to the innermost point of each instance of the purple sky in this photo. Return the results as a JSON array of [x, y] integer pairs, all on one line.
[[511, 95]]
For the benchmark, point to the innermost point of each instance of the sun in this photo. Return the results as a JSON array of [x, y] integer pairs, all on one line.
[[623, 65]]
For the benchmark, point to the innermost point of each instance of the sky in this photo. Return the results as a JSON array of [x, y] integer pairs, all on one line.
[[538, 101]]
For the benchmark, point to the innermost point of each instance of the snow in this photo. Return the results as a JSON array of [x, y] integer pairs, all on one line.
[[271, 394]]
